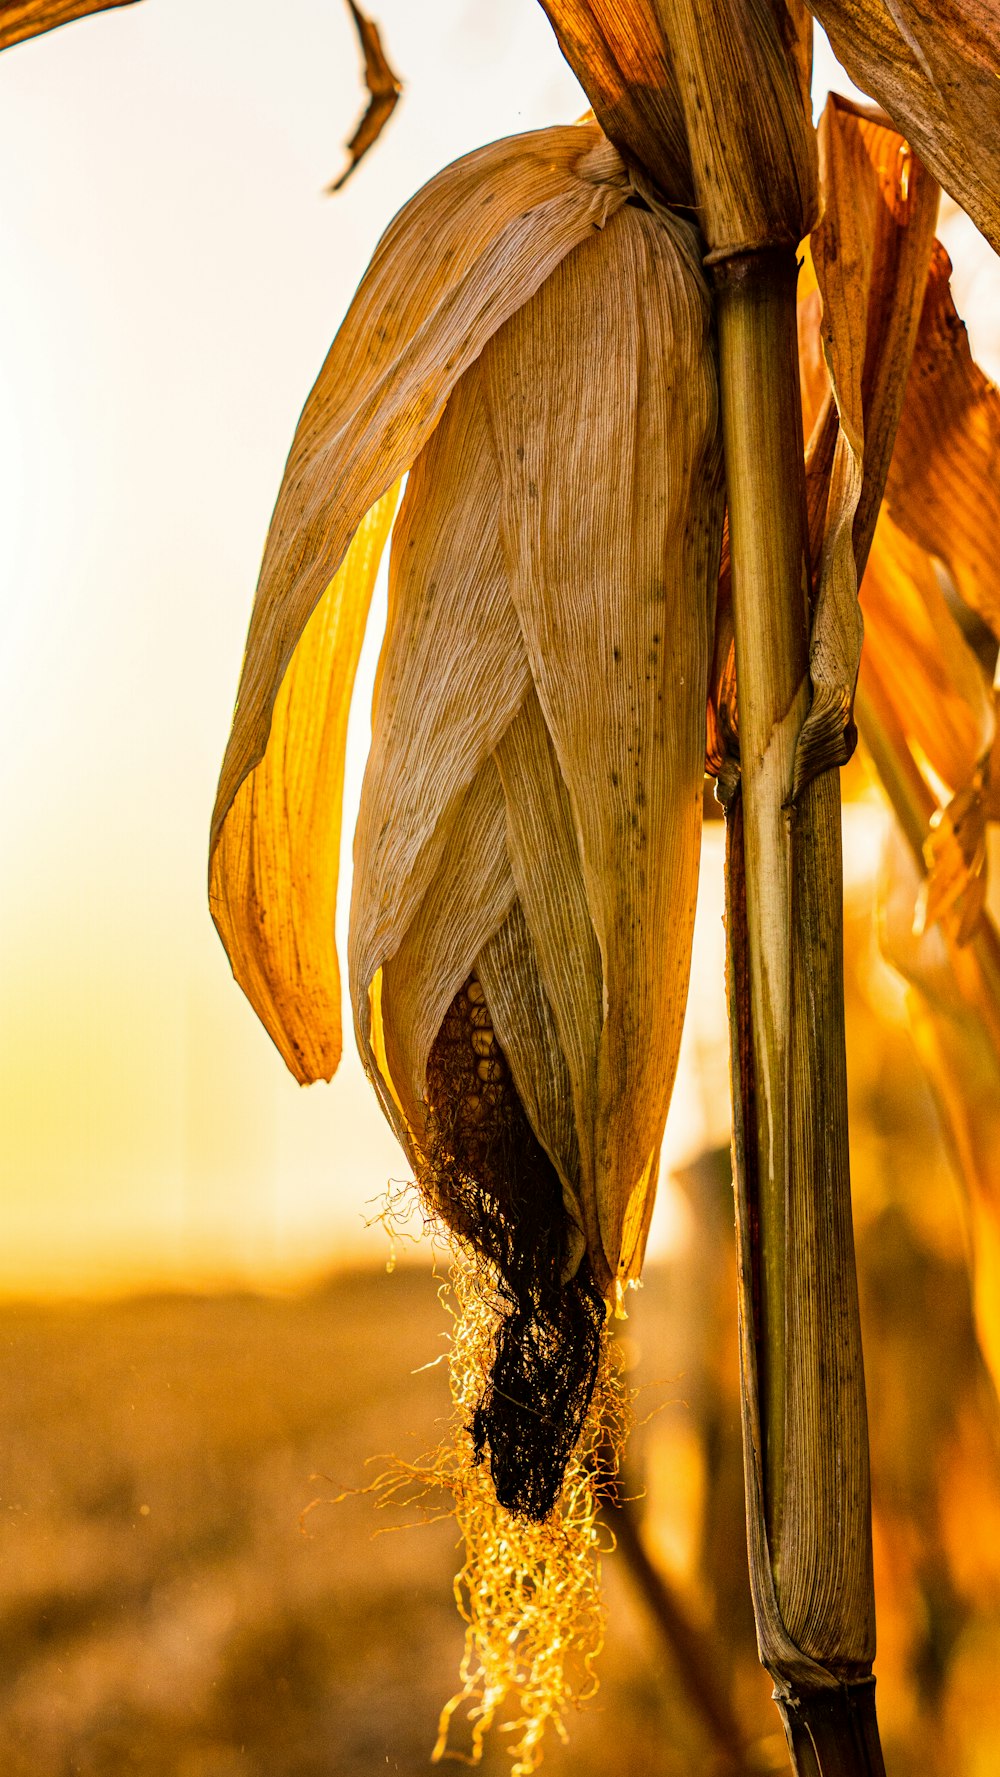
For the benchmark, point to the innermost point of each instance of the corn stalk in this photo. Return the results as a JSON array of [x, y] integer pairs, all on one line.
[[805, 1429]]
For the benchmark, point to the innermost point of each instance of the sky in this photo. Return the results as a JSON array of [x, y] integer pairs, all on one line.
[[173, 275]]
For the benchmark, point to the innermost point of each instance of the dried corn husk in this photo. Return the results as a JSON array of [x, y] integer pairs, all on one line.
[[935, 67], [500, 220], [527, 847], [548, 635], [21, 19]]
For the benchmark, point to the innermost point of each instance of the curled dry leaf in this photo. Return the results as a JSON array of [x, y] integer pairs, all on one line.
[[21, 19], [924, 688], [501, 219], [870, 252], [384, 89], [935, 67], [944, 482]]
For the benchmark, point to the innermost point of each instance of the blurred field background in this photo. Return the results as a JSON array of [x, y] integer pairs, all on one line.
[[166, 1610], [195, 1320]]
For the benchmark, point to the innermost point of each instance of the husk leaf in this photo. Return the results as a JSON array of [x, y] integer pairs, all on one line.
[[602, 397], [499, 220], [468, 899], [507, 967], [452, 676], [273, 877], [544, 852]]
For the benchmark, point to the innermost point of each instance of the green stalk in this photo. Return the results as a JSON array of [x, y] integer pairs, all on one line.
[[805, 1428]]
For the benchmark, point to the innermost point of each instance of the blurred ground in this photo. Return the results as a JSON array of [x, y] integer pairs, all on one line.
[[162, 1613], [161, 1610]]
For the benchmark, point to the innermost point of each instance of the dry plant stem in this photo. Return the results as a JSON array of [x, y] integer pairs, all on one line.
[[805, 1428], [767, 530], [835, 1735]]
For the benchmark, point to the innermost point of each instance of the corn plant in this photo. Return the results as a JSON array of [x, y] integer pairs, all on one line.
[[667, 388], [560, 340]]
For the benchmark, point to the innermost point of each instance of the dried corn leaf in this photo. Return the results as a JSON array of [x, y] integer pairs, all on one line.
[[452, 676], [603, 400], [618, 54], [870, 253], [935, 67], [913, 642], [917, 665], [742, 71], [954, 1007], [383, 94], [498, 220], [20, 19], [944, 483], [273, 875]]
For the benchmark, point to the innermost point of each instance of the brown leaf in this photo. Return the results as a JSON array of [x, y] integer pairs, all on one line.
[[923, 696], [870, 252], [384, 89], [912, 640], [935, 67], [944, 483], [20, 19], [954, 1008], [618, 53]]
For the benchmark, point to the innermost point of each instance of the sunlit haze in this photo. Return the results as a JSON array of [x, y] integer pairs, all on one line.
[[172, 278]]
